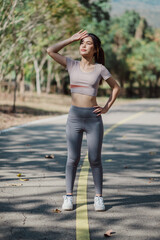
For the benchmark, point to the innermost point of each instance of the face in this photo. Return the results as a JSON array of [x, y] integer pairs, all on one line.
[[87, 47]]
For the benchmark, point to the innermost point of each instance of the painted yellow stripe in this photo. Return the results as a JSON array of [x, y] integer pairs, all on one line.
[[127, 120], [82, 225]]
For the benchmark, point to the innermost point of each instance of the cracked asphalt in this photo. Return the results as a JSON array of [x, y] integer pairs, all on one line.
[[131, 167]]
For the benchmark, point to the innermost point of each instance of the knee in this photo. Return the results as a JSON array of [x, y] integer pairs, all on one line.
[[95, 161], [73, 162]]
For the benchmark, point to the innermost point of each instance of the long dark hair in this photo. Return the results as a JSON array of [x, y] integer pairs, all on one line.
[[99, 55]]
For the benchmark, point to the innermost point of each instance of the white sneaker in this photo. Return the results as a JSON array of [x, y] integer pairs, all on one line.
[[99, 204], [68, 203]]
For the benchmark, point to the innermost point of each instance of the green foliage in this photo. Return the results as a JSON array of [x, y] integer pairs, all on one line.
[[143, 62], [128, 23], [97, 19], [27, 28], [133, 56]]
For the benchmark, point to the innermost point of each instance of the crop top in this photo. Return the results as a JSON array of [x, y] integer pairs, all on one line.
[[85, 82]]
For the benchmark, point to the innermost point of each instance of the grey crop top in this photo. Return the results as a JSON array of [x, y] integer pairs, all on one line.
[[85, 82]]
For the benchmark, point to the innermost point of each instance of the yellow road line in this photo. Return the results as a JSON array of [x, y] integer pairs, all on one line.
[[82, 225], [127, 120]]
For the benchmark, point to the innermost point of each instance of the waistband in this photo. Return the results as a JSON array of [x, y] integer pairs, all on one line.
[[81, 108], [82, 112]]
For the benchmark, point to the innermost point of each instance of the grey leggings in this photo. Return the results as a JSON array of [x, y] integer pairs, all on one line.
[[81, 120]]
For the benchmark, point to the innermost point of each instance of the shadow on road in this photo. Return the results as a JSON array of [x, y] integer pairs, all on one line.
[[130, 157]]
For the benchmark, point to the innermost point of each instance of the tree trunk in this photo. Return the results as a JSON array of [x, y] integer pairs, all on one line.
[[49, 78], [42, 79], [58, 80], [156, 88], [150, 89], [140, 90], [21, 85], [140, 30], [130, 89], [38, 87], [15, 90]]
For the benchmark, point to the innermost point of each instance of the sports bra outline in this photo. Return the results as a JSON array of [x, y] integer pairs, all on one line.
[[85, 82]]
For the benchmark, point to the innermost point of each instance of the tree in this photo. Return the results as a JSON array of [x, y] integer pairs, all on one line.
[[36, 25], [144, 66], [123, 32]]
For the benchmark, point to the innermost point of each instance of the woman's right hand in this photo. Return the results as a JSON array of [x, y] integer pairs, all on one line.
[[79, 35]]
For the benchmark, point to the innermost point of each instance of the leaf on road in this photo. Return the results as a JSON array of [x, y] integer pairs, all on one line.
[[152, 153], [49, 156], [125, 166], [14, 184], [151, 178], [24, 179], [109, 233], [56, 210], [19, 175], [108, 160]]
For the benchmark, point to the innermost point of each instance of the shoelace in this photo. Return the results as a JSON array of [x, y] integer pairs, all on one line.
[[68, 198], [99, 200]]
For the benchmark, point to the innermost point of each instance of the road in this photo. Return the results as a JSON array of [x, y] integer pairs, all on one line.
[[131, 181]]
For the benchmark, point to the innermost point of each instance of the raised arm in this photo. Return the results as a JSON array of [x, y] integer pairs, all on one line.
[[53, 50]]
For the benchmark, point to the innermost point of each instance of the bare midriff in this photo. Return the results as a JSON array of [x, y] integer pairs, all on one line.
[[81, 100]]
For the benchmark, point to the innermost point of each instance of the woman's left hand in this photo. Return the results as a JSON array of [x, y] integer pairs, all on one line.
[[100, 110]]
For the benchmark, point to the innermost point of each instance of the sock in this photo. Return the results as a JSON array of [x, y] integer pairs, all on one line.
[[69, 195]]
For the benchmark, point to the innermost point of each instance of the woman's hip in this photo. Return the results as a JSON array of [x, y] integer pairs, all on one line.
[[83, 113]]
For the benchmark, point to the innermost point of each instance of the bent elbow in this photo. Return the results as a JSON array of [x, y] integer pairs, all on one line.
[[118, 88]]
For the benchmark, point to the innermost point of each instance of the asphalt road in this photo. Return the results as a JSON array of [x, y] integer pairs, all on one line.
[[131, 166]]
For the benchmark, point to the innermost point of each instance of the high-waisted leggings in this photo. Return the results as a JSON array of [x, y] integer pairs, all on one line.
[[81, 119]]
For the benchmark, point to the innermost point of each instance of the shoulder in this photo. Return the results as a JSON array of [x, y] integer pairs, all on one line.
[[70, 62], [105, 72], [100, 66]]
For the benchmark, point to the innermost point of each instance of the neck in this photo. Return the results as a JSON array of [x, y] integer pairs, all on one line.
[[87, 61]]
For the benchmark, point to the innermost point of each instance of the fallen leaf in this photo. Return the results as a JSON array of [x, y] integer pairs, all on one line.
[[152, 153], [56, 210], [14, 184], [124, 136], [24, 179], [109, 233], [49, 156], [19, 175], [151, 178], [108, 160]]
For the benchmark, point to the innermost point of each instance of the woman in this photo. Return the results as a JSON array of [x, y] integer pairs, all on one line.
[[85, 114]]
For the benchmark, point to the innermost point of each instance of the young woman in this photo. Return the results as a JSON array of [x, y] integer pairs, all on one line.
[[85, 114]]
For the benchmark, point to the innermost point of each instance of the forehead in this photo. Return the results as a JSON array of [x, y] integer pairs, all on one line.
[[87, 39]]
